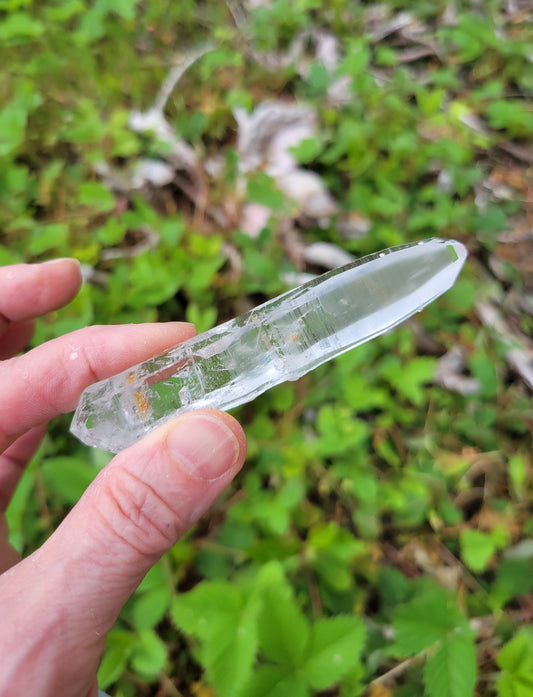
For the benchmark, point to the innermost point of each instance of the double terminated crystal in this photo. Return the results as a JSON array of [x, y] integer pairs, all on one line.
[[280, 340]]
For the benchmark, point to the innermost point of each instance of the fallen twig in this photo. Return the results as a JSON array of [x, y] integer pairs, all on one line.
[[518, 354]]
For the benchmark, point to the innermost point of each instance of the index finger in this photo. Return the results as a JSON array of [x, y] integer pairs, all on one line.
[[49, 379], [31, 290]]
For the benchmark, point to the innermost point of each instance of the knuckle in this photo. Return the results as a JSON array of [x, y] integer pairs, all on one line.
[[138, 515]]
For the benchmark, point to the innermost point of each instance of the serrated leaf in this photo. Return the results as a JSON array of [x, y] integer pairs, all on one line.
[[208, 610], [229, 658], [225, 621], [282, 628], [334, 649], [424, 621], [451, 671]]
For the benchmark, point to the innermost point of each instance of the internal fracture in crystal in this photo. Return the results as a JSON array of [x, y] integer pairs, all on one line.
[[280, 340]]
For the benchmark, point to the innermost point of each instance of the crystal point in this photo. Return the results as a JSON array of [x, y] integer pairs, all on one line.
[[280, 340]]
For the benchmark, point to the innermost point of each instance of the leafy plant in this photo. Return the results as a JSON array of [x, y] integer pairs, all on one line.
[[432, 623], [382, 518], [263, 618]]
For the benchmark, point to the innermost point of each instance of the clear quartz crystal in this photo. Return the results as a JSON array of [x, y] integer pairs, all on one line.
[[280, 340]]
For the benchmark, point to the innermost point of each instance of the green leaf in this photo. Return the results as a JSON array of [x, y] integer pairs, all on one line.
[[282, 628], [357, 58], [517, 469], [119, 646], [208, 610], [111, 232], [96, 196], [14, 116], [65, 11], [171, 230], [361, 395], [262, 189], [155, 577], [84, 125], [220, 615], [149, 655], [424, 621], [21, 502], [229, 658], [339, 431], [477, 549], [451, 671], [409, 379], [513, 578], [67, 477], [482, 366], [12, 128], [123, 8], [516, 662], [20, 25], [307, 150], [334, 649], [148, 608], [275, 681], [153, 280], [203, 319], [92, 24], [48, 236]]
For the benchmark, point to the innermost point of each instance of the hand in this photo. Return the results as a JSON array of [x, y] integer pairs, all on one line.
[[57, 604]]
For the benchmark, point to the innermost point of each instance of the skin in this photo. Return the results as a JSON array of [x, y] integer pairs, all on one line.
[[57, 604]]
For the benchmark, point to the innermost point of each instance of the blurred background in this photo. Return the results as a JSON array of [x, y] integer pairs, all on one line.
[[199, 158]]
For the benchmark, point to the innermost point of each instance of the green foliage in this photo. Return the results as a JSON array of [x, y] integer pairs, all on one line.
[[451, 671], [477, 549], [223, 617], [369, 487], [516, 662], [425, 620], [262, 619], [432, 623]]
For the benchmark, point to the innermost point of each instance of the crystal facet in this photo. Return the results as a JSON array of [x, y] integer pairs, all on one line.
[[280, 340]]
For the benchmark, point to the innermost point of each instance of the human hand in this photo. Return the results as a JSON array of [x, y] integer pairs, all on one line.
[[57, 605]]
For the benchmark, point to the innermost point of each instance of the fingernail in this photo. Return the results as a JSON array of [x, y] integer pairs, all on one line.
[[203, 445]]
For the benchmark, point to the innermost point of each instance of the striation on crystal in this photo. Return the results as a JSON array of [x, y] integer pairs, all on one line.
[[280, 340]]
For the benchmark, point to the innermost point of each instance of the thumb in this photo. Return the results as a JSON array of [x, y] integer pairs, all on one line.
[[74, 586], [142, 502]]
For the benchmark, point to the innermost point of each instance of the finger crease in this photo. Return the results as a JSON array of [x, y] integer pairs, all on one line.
[[139, 512]]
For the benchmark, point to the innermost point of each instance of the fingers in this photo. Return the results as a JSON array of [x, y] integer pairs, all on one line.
[[15, 338], [73, 588], [12, 464], [48, 380], [142, 502], [13, 461], [31, 290], [8, 555]]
